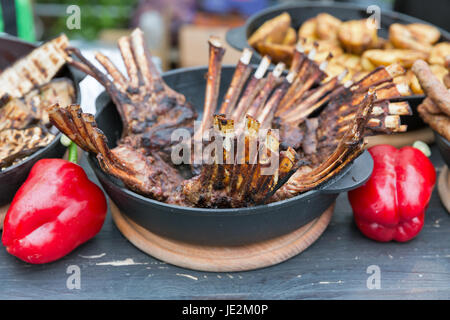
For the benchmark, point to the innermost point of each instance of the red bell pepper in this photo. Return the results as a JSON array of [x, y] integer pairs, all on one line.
[[392, 203], [54, 211]]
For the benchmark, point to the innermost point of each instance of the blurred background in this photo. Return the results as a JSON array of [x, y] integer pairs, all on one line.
[[176, 30]]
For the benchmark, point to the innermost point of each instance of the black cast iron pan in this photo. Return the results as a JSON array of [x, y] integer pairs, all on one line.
[[12, 178], [217, 226], [300, 12]]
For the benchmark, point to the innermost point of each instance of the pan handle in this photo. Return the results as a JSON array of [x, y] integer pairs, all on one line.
[[236, 37], [355, 177]]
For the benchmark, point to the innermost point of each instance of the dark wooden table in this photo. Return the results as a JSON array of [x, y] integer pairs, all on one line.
[[335, 267]]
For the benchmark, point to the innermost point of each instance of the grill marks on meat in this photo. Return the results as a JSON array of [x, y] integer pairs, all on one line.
[[348, 148], [322, 125], [147, 175], [237, 177], [150, 112], [145, 103]]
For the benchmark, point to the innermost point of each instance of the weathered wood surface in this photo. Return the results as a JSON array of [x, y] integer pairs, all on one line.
[[335, 267]]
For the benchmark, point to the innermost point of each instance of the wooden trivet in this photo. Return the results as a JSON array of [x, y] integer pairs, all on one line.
[[221, 258], [444, 187], [399, 140]]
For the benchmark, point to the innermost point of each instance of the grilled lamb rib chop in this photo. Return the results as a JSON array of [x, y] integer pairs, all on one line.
[[236, 177], [149, 109], [272, 101]]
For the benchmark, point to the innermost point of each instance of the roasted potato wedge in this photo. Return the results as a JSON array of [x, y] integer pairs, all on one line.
[[366, 65], [327, 26], [401, 37], [439, 52], [273, 30], [349, 61], [414, 82], [424, 33], [356, 36], [388, 45], [379, 43], [278, 52], [323, 48], [308, 29], [438, 70], [386, 57], [291, 37], [334, 69]]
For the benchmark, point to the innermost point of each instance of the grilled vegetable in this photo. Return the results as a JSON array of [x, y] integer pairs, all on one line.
[[54, 211], [392, 203], [439, 52], [273, 30], [18, 143], [404, 57], [402, 37], [35, 69], [327, 26], [356, 36], [424, 33]]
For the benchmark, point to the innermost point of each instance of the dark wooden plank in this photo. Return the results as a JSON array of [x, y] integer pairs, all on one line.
[[332, 268]]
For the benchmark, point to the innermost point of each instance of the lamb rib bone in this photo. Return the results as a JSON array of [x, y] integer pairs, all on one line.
[[254, 85], [216, 52], [241, 74], [239, 184]]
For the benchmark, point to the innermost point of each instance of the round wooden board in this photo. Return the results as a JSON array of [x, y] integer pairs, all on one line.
[[399, 140], [444, 187], [222, 259]]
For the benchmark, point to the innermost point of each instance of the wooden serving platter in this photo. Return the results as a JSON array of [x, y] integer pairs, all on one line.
[[444, 187], [220, 258]]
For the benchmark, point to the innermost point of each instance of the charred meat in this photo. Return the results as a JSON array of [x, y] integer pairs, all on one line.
[[321, 123]]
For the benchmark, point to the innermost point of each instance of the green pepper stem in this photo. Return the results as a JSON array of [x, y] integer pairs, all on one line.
[[73, 152]]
